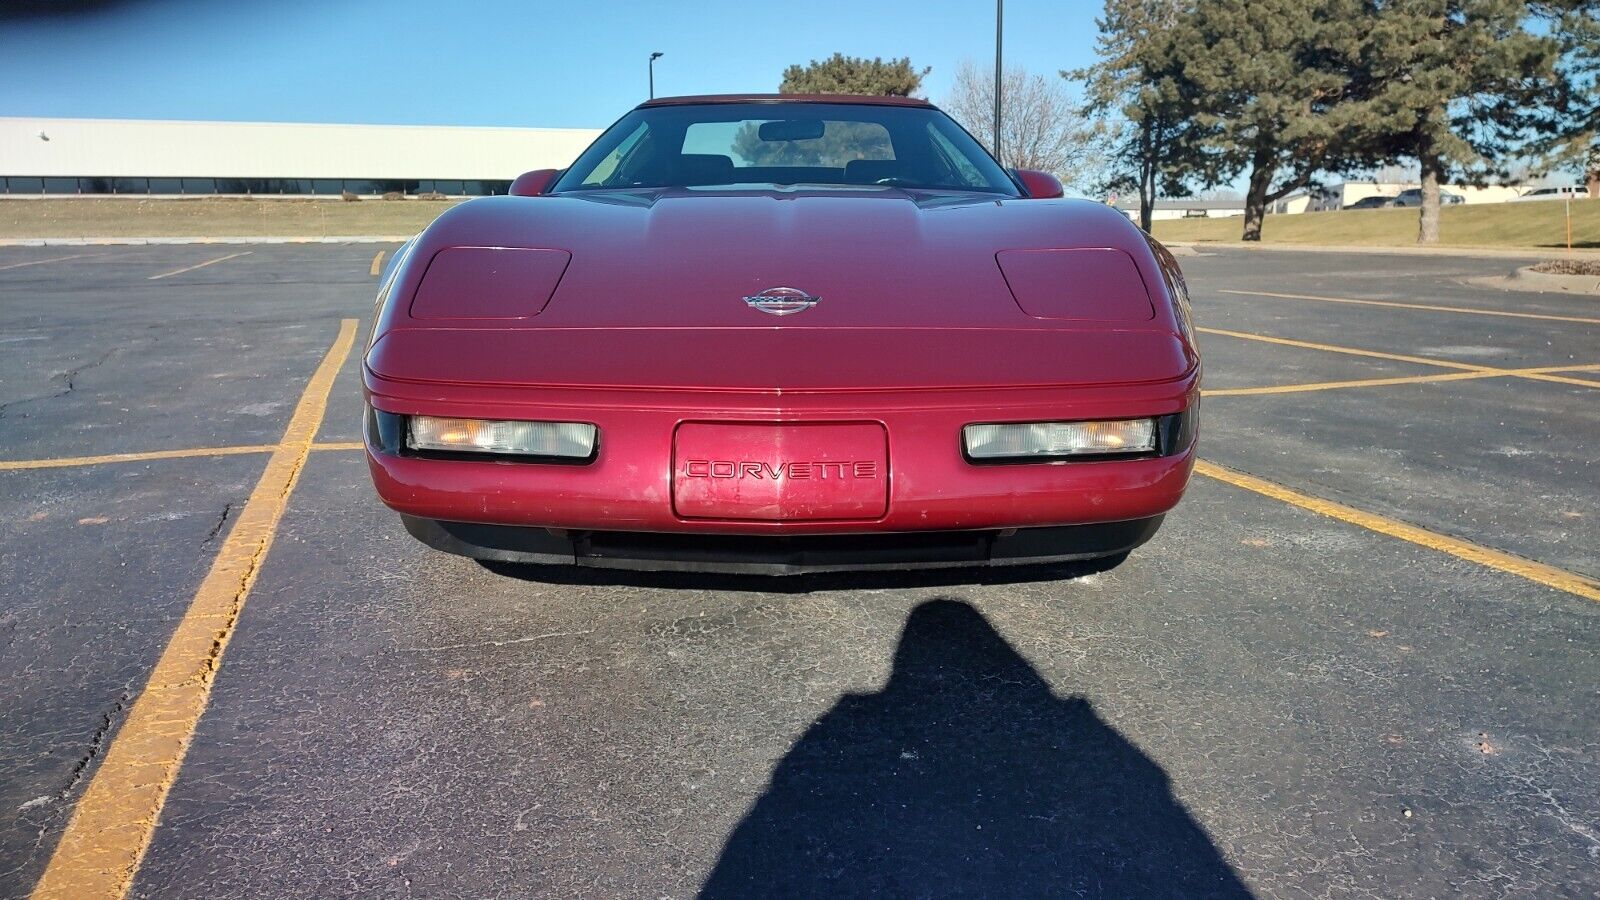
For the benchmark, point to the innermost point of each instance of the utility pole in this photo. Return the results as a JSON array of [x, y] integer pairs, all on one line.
[[653, 57], [999, 30]]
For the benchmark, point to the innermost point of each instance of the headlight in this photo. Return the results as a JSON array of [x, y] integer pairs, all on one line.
[[1043, 440], [564, 440]]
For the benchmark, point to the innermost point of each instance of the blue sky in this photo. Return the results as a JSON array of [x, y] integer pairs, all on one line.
[[571, 64]]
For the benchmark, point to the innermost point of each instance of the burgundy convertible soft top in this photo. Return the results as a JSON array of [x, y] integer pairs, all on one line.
[[854, 99]]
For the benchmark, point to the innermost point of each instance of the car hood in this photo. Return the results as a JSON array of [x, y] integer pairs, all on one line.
[[908, 291], [875, 257]]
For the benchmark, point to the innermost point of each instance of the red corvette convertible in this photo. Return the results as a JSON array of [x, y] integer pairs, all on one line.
[[775, 334]]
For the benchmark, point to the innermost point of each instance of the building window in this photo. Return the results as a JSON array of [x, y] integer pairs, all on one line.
[[485, 188], [166, 185]]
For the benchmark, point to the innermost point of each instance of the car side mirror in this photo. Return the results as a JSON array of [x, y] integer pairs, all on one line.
[[535, 183], [1039, 185]]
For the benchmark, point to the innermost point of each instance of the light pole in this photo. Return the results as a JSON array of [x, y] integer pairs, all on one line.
[[999, 29], [653, 57]]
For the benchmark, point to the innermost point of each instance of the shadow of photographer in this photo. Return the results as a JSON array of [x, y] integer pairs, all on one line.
[[967, 777]]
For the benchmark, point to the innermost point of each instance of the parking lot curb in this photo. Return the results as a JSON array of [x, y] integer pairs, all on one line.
[[258, 239], [1529, 280]]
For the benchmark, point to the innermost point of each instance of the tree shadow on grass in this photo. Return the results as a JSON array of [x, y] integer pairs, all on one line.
[[967, 777]]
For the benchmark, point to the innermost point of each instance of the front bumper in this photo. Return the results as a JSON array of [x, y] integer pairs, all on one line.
[[785, 555], [628, 486]]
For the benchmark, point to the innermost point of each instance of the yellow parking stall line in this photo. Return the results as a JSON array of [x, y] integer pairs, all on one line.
[[1534, 375], [209, 262], [110, 829], [1397, 357], [1423, 306], [1383, 382], [1549, 576], [40, 262], [62, 462], [67, 462], [377, 264], [1330, 348]]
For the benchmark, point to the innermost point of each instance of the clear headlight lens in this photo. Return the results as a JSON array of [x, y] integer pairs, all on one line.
[[1048, 439], [568, 440]]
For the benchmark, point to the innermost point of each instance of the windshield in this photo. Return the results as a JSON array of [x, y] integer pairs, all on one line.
[[761, 144]]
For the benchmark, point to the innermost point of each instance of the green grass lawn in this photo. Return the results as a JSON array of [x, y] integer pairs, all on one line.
[[214, 217], [1539, 224], [1520, 225]]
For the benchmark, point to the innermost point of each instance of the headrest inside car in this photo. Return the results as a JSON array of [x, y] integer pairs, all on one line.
[[704, 169]]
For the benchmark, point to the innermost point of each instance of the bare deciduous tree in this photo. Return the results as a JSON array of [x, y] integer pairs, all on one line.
[[1041, 127]]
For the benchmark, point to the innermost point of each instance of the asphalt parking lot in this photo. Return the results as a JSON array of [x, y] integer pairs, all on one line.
[[1362, 659]]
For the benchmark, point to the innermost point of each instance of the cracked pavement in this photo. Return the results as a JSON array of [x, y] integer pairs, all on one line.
[[1260, 702]]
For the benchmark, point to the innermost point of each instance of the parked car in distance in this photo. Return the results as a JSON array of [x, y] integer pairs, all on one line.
[[1372, 203], [1570, 192], [1413, 197]]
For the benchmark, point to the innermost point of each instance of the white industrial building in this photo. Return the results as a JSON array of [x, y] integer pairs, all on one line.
[[55, 157], [1184, 208], [1318, 199]]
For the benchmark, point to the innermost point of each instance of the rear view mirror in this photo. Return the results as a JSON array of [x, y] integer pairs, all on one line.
[[791, 130]]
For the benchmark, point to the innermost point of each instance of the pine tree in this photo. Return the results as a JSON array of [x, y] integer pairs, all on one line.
[[1151, 138], [840, 74], [1457, 85], [1271, 87], [1570, 131]]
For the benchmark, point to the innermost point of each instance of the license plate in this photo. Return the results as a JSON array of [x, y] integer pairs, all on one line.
[[780, 472]]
